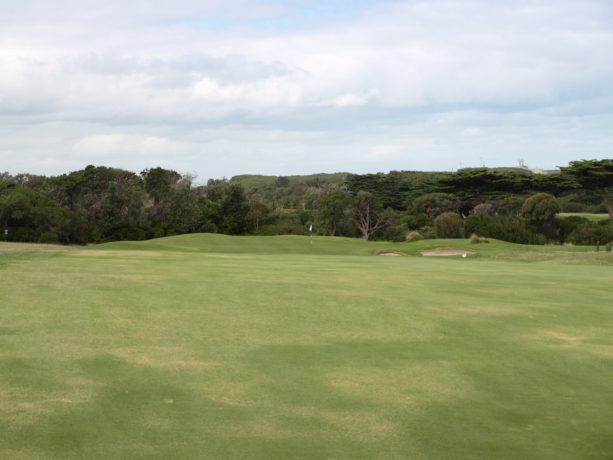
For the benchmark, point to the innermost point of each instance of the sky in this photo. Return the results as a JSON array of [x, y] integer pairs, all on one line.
[[218, 88]]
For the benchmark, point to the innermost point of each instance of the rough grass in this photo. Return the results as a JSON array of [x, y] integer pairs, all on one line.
[[217, 347]]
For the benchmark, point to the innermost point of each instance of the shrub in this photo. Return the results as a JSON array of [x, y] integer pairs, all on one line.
[[414, 235], [434, 204], [565, 226], [24, 234], [394, 233], [281, 228], [506, 228], [48, 237], [510, 206], [591, 233], [449, 225], [541, 207], [427, 232], [571, 206], [415, 221], [476, 239], [486, 209]]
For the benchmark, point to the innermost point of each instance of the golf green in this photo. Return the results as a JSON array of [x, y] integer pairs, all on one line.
[[206, 346]]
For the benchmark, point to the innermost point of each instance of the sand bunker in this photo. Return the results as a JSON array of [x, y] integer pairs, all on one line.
[[442, 252], [389, 252]]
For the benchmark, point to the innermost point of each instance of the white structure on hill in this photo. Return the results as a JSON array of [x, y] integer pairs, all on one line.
[[522, 165]]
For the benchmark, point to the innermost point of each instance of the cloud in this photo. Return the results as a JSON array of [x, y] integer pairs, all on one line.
[[381, 152], [115, 146], [220, 87], [350, 100], [99, 146]]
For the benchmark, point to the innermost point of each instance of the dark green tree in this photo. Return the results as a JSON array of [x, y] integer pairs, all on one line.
[[594, 175], [234, 211], [433, 204], [31, 216], [159, 182], [541, 209], [448, 225], [333, 212]]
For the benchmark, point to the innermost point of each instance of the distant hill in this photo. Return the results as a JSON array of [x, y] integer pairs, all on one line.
[[256, 181]]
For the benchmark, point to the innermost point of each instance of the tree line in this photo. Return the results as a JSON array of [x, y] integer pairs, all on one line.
[[98, 204]]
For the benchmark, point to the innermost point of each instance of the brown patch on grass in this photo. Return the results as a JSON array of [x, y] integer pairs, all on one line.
[[358, 424], [565, 339], [129, 277], [361, 424], [442, 252], [231, 393], [19, 406], [568, 341], [605, 351], [400, 387], [160, 357], [488, 310], [22, 455], [266, 428]]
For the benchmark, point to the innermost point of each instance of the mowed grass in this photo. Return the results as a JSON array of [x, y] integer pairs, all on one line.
[[206, 346]]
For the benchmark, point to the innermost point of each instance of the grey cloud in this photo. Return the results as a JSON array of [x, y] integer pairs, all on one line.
[[386, 85]]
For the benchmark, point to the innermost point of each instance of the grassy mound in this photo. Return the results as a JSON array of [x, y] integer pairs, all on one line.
[[224, 244], [322, 245]]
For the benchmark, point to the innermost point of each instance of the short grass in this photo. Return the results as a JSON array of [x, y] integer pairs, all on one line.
[[206, 346]]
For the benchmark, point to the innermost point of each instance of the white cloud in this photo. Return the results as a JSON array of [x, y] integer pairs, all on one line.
[[99, 146], [383, 152], [350, 100], [273, 92], [441, 81], [115, 146]]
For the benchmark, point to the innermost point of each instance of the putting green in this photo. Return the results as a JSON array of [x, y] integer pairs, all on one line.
[[206, 346]]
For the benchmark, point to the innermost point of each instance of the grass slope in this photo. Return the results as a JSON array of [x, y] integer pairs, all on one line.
[[216, 347], [320, 245]]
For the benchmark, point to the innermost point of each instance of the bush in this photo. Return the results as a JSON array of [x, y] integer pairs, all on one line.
[[282, 228], [434, 204], [427, 232], [23, 234], [571, 206], [476, 239], [486, 209], [449, 225], [415, 221], [510, 206], [413, 235], [48, 237], [541, 207], [395, 233], [565, 226], [506, 228], [286, 222], [591, 233]]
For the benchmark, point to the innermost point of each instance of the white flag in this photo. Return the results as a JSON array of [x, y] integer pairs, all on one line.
[[311, 228]]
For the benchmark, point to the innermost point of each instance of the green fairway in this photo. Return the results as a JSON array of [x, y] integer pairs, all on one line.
[[209, 346]]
